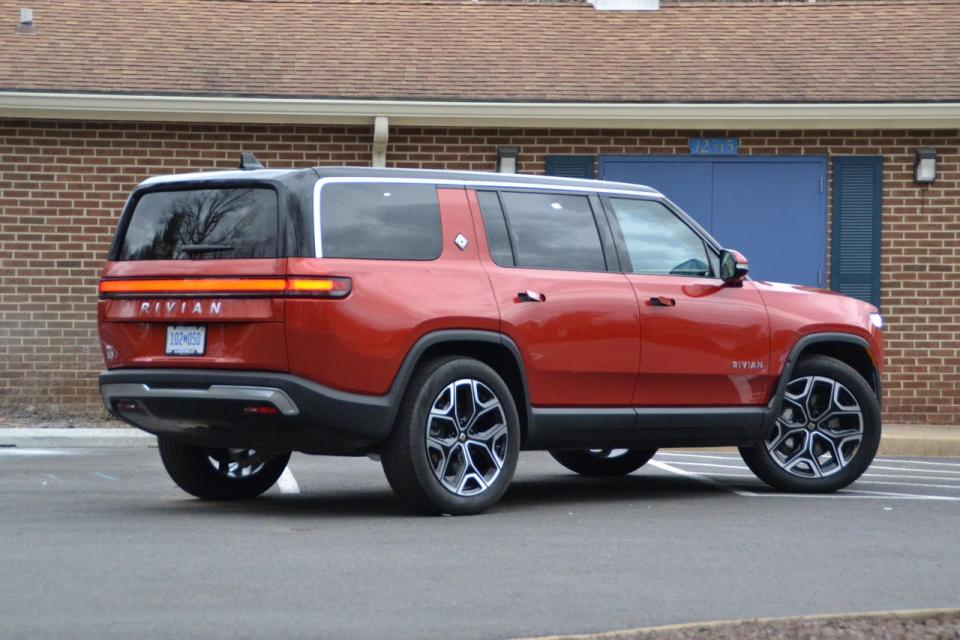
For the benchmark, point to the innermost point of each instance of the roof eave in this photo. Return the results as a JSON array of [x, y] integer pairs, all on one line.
[[729, 116]]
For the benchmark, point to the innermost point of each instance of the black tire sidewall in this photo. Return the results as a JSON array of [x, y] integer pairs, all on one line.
[[759, 460], [414, 425], [191, 470]]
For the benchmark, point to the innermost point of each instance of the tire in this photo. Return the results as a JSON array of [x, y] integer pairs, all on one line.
[[463, 460], [827, 433], [603, 462], [246, 473]]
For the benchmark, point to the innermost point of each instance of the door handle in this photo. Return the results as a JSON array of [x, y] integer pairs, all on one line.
[[531, 296], [662, 301]]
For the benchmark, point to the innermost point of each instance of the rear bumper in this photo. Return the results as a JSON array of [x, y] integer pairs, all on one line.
[[207, 408]]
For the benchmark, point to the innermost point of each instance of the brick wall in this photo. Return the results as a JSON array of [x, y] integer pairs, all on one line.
[[62, 185]]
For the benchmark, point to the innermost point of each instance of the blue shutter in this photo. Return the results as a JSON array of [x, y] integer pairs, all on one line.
[[855, 245], [570, 166]]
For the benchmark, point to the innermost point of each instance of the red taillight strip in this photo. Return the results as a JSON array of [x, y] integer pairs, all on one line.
[[218, 287]]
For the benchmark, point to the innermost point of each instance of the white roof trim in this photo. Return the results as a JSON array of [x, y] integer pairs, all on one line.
[[940, 115]]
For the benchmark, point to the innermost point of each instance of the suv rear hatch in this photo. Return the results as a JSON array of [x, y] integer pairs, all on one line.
[[196, 279]]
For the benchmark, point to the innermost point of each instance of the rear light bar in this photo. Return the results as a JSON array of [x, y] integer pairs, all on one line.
[[220, 287]]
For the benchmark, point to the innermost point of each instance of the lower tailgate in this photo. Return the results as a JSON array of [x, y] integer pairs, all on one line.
[[245, 333]]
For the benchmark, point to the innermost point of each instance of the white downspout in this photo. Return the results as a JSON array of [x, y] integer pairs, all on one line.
[[381, 132]]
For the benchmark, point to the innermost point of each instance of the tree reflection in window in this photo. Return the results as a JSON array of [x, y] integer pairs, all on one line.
[[203, 224]]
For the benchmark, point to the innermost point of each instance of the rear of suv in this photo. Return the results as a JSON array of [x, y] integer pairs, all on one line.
[[444, 321]]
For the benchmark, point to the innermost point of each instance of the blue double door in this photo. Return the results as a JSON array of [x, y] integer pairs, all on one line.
[[771, 209]]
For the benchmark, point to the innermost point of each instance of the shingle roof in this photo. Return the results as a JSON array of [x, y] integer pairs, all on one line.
[[747, 51]]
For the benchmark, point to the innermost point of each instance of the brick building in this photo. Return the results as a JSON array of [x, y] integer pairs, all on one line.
[[790, 129]]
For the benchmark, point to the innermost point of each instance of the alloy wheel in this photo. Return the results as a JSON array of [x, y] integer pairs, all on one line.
[[236, 463], [466, 437], [607, 454], [819, 430]]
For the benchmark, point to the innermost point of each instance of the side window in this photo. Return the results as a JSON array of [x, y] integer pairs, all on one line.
[[496, 228], [658, 242], [380, 221], [550, 231]]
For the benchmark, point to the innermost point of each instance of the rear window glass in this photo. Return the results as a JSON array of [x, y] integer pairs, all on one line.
[[202, 224], [380, 221]]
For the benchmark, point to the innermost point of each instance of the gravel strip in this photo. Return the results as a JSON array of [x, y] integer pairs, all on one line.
[[895, 626], [102, 421]]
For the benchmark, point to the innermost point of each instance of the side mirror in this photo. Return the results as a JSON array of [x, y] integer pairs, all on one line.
[[733, 267]]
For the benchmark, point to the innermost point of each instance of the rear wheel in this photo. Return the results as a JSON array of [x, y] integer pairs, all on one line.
[[456, 441], [603, 462], [222, 474], [827, 432]]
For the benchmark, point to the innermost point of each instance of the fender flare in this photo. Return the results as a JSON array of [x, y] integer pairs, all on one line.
[[402, 378], [775, 406]]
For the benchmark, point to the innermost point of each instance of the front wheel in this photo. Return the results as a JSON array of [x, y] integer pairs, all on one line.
[[456, 440], [603, 462], [222, 474], [827, 432]]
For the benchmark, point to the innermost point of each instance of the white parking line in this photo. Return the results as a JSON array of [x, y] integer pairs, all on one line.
[[927, 462], [699, 477], [908, 477], [711, 464], [674, 454], [287, 483], [947, 471], [910, 484], [105, 476], [17, 452], [885, 493], [868, 474], [707, 477], [847, 496]]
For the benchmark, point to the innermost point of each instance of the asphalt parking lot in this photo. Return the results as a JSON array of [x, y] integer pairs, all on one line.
[[100, 543]]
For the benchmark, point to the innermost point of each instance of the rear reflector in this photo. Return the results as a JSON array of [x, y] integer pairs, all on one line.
[[218, 287], [261, 410]]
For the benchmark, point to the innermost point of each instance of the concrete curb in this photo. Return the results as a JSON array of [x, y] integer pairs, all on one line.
[[898, 440], [75, 438], [920, 440], [714, 624]]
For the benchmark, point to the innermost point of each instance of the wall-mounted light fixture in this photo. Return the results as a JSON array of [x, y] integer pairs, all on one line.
[[507, 159], [26, 22], [925, 166]]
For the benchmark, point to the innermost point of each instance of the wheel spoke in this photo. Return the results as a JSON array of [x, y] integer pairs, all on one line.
[[784, 434], [465, 407], [491, 434], [488, 451]]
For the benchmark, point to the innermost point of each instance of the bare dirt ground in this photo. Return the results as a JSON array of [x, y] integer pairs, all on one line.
[[38, 421], [943, 625]]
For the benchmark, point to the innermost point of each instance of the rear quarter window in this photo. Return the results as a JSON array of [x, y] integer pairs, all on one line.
[[380, 221], [202, 224]]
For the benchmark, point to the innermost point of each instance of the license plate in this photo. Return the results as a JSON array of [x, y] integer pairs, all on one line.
[[186, 341]]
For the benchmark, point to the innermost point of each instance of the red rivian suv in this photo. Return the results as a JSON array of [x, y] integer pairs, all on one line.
[[446, 321]]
